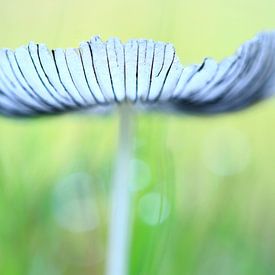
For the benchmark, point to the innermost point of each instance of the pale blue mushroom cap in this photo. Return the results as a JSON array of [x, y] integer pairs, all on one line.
[[100, 75]]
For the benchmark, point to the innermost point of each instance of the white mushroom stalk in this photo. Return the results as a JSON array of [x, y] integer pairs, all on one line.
[[120, 218], [141, 74]]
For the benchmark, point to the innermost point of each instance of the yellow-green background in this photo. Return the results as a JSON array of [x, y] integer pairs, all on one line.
[[217, 174]]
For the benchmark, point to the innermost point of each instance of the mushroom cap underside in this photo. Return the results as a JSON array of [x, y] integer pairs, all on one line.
[[99, 75]]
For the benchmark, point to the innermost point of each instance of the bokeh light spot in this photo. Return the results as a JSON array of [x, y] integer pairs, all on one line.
[[141, 175], [153, 208], [74, 204], [226, 151]]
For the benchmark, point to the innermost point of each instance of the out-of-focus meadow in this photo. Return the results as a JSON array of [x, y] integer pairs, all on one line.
[[204, 188]]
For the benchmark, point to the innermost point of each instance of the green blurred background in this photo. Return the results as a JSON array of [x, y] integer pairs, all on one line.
[[203, 191]]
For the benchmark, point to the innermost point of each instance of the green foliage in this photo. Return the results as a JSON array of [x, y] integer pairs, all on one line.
[[209, 181]]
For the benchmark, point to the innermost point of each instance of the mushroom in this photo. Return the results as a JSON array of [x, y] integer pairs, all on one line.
[[139, 75]]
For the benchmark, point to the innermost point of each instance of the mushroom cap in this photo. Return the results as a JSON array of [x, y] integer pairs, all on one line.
[[35, 80]]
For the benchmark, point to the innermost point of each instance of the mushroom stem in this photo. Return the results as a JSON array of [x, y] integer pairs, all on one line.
[[120, 216]]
